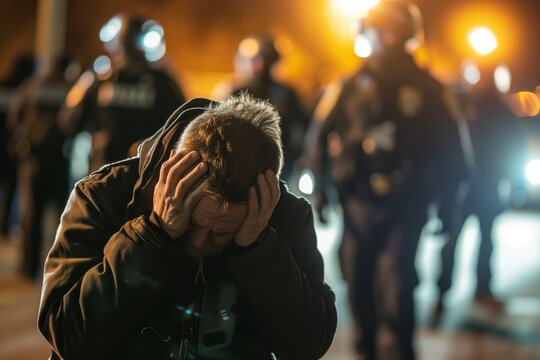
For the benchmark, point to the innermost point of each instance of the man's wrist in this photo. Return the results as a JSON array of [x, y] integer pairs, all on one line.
[[257, 240], [262, 235], [156, 226], [237, 249]]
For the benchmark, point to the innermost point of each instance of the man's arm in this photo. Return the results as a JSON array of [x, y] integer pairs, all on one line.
[[97, 282], [282, 279]]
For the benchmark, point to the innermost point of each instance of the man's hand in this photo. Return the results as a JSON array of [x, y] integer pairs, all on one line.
[[259, 210], [178, 191]]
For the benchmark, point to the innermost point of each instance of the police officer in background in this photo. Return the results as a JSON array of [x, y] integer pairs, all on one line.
[[497, 145], [42, 169], [388, 139], [126, 98], [23, 67], [253, 63]]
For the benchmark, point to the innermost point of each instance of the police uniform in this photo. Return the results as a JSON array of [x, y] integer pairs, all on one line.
[[42, 166], [22, 69], [254, 60], [121, 110], [496, 146], [387, 141]]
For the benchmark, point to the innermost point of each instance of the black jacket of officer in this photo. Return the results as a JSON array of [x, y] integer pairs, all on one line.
[[124, 101]]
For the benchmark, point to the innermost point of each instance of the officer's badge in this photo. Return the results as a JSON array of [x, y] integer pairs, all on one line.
[[410, 101], [381, 185], [380, 137]]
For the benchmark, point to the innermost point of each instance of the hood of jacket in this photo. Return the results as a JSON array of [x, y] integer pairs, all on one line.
[[156, 149]]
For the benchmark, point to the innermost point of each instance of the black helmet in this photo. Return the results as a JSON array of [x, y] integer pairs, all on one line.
[[401, 16], [259, 45], [129, 33]]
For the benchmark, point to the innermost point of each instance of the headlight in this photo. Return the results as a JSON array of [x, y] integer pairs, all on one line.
[[306, 183], [532, 172]]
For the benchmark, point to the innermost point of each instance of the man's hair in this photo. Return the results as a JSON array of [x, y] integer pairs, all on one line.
[[238, 139]]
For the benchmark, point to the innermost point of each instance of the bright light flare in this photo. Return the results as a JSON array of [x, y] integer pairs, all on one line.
[[153, 38], [110, 29], [471, 74], [482, 40], [354, 8], [102, 65], [525, 103], [362, 47], [532, 172], [503, 78], [306, 183], [157, 53], [248, 48]]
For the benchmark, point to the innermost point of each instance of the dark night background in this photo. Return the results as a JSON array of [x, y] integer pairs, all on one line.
[[202, 35]]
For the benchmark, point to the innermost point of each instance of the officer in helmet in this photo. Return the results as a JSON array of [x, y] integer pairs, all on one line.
[[126, 97], [253, 63], [496, 143], [22, 68], [38, 144], [383, 136]]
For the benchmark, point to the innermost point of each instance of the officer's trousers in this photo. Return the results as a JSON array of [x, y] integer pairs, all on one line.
[[40, 182], [381, 276]]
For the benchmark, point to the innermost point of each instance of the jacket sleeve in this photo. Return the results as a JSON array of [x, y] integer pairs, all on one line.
[[97, 282], [282, 279]]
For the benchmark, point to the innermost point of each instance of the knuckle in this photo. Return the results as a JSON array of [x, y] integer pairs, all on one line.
[[182, 183], [163, 171], [167, 164], [173, 175]]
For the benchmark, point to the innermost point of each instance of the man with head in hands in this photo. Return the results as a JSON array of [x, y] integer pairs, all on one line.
[[191, 250]]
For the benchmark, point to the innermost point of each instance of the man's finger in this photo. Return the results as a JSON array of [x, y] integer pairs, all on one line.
[[184, 184], [264, 192], [193, 198], [273, 182], [178, 169], [165, 167], [253, 204], [174, 156]]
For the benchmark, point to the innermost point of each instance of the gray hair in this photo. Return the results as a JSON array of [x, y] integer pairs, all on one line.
[[237, 138]]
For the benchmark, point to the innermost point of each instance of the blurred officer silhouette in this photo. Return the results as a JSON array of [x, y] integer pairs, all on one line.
[[496, 146], [126, 97], [389, 142], [22, 68], [254, 61], [39, 146]]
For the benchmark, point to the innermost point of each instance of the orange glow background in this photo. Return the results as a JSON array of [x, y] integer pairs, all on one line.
[[315, 39]]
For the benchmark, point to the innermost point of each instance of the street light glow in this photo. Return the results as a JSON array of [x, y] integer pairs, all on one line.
[[482, 40], [471, 74], [532, 172], [306, 183], [503, 78], [249, 48], [362, 47], [355, 8]]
